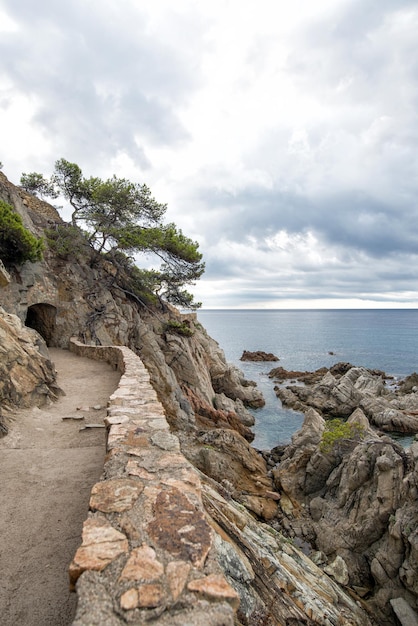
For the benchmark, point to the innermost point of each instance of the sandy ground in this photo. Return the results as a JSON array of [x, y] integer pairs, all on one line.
[[47, 468]]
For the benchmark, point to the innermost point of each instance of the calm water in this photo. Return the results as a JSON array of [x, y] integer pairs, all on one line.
[[382, 339]]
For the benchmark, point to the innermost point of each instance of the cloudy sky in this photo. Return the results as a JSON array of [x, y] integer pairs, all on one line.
[[283, 135]]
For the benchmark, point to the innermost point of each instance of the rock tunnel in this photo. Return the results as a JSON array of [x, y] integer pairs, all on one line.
[[41, 317]]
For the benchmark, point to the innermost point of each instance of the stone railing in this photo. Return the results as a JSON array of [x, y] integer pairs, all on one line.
[[146, 552]]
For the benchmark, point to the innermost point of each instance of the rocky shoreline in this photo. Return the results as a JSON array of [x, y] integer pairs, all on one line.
[[351, 505], [343, 388]]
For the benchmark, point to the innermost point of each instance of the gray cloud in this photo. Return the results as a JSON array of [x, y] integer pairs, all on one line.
[[291, 155], [350, 219], [101, 83]]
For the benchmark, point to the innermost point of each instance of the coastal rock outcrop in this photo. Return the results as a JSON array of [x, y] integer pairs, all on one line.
[[353, 507], [337, 392], [267, 570]]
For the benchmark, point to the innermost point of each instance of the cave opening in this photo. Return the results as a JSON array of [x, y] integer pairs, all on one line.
[[41, 317]]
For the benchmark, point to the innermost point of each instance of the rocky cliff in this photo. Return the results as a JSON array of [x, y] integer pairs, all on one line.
[[205, 401], [352, 504]]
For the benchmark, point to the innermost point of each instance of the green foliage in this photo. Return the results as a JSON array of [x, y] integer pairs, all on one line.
[[38, 185], [181, 328], [109, 208], [338, 434], [67, 241], [17, 244], [123, 217]]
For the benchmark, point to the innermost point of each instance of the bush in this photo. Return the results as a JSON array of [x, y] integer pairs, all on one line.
[[181, 328], [67, 241], [17, 244], [339, 434]]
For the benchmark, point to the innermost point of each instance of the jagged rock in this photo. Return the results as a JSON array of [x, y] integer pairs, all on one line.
[[224, 454], [233, 384], [4, 275], [338, 570], [292, 474], [208, 416], [279, 373], [276, 583], [410, 384], [360, 506], [344, 388], [27, 377], [404, 613], [226, 404]]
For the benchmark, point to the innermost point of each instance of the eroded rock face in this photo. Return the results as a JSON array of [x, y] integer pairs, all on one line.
[[277, 584], [357, 506], [87, 304], [27, 376], [226, 457]]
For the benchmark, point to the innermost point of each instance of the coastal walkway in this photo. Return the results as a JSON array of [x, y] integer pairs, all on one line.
[[49, 462], [116, 510]]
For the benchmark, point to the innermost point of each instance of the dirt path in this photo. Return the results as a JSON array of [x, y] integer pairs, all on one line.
[[47, 469]]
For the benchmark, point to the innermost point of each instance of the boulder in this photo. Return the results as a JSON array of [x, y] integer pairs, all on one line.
[[227, 457]]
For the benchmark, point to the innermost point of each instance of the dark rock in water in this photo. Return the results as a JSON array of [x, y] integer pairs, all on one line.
[[258, 355], [279, 373], [410, 384]]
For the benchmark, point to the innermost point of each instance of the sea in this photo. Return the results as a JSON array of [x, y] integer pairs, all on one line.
[[305, 340]]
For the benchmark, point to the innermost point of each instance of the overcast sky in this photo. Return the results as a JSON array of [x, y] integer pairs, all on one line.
[[283, 135]]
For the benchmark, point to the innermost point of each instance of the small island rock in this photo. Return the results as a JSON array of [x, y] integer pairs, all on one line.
[[258, 355]]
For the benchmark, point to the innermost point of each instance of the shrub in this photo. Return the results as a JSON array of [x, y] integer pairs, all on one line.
[[339, 434], [67, 241], [17, 244], [181, 328]]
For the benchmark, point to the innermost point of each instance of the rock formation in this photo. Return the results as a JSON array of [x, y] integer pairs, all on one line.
[[258, 355], [337, 392], [354, 509], [27, 375]]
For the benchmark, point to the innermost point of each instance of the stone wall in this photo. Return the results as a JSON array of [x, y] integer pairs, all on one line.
[[147, 548]]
